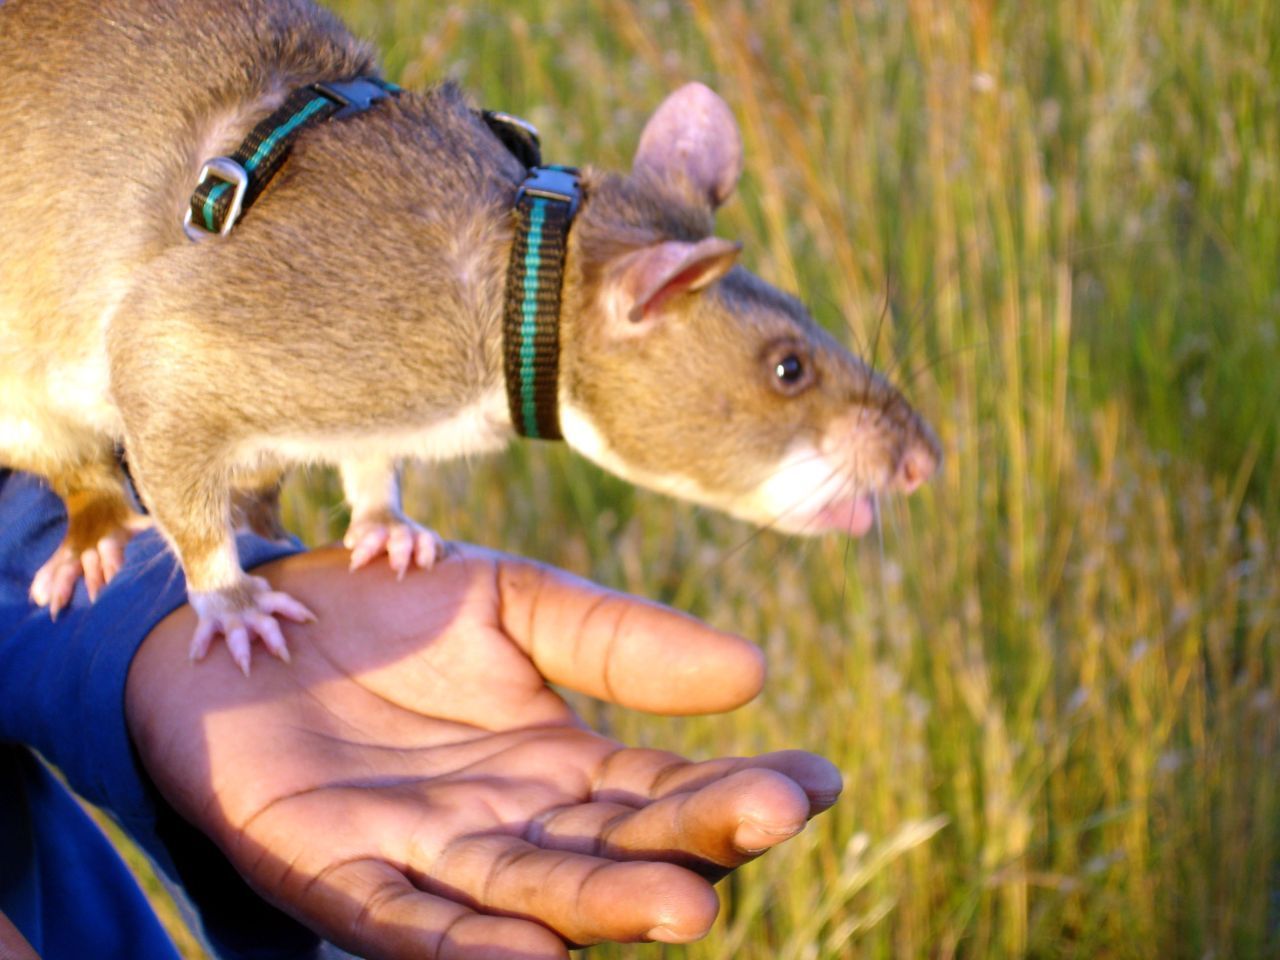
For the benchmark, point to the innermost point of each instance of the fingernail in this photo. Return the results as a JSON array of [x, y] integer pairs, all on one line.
[[664, 934], [752, 837]]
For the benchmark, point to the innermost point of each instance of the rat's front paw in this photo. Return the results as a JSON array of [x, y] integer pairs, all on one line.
[[241, 613], [404, 542]]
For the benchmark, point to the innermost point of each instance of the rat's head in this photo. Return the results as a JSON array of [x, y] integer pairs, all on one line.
[[687, 374]]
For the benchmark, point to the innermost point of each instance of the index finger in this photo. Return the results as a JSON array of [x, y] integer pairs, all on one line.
[[623, 649]]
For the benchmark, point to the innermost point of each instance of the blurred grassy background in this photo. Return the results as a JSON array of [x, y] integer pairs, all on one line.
[[1052, 686]]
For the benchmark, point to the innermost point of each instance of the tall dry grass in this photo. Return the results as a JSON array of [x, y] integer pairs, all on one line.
[[1052, 684]]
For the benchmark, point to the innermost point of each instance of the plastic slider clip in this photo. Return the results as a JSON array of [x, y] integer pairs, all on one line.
[[228, 171], [353, 96], [554, 183]]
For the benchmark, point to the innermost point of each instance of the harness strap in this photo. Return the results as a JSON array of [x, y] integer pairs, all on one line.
[[229, 185], [544, 211], [545, 206]]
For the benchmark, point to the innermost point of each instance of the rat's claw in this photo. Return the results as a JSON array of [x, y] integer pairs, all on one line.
[[366, 541], [55, 582], [400, 549], [94, 580], [42, 584], [428, 549], [206, 630], [103, 561], [111, 553], [281, 604], [238, 646], [265, 626]]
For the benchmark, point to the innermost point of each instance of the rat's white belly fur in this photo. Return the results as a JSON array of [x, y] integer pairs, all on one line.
[[54, 404], [481, 427]]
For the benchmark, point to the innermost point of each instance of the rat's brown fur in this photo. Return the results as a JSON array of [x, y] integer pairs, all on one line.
[[356, 307]]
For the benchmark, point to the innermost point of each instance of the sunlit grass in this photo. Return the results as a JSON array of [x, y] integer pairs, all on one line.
[[1052, 686]]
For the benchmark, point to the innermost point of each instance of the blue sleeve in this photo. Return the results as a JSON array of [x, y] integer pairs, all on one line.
[[51, 855], [62, 693]]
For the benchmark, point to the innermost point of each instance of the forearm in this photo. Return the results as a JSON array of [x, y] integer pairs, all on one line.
[[62, 682], [13, 945], [62, 690]]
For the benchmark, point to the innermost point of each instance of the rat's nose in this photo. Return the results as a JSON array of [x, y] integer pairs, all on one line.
[[916, 465]]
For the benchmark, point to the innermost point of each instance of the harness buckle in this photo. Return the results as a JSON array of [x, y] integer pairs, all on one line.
[[228, 171], [553, 182], [517, 135], [352, 96]]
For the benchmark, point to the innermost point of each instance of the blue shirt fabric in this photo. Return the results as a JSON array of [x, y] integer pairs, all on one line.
[[62, 694]]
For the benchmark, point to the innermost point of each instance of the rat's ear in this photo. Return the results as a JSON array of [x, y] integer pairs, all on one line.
[[693, 137], [647, 278]]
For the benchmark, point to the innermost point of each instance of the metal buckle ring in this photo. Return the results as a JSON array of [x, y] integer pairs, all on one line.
[[517, 135], [228, 171]]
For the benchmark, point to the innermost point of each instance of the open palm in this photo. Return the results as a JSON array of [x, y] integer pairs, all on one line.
[[410, 783]]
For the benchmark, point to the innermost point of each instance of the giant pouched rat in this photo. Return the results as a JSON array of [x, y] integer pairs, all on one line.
[[354, 314]]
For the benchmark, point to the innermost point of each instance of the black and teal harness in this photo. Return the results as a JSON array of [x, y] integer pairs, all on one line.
[[544, 211], [229, 185], [544, 208]]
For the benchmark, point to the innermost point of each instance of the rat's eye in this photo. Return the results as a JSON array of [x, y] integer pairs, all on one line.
[[790, 368]]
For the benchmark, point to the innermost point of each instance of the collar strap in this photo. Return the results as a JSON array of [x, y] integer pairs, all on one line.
[[229, 185], [544, 211]]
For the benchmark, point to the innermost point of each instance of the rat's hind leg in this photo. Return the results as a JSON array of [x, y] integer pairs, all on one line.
[[101, 520], [378, 524], [190, 498]]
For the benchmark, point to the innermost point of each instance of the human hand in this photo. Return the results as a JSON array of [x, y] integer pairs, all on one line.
[[13, 945], [410, 785]]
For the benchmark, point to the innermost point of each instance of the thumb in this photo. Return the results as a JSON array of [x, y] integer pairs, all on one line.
[[622, 649]]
